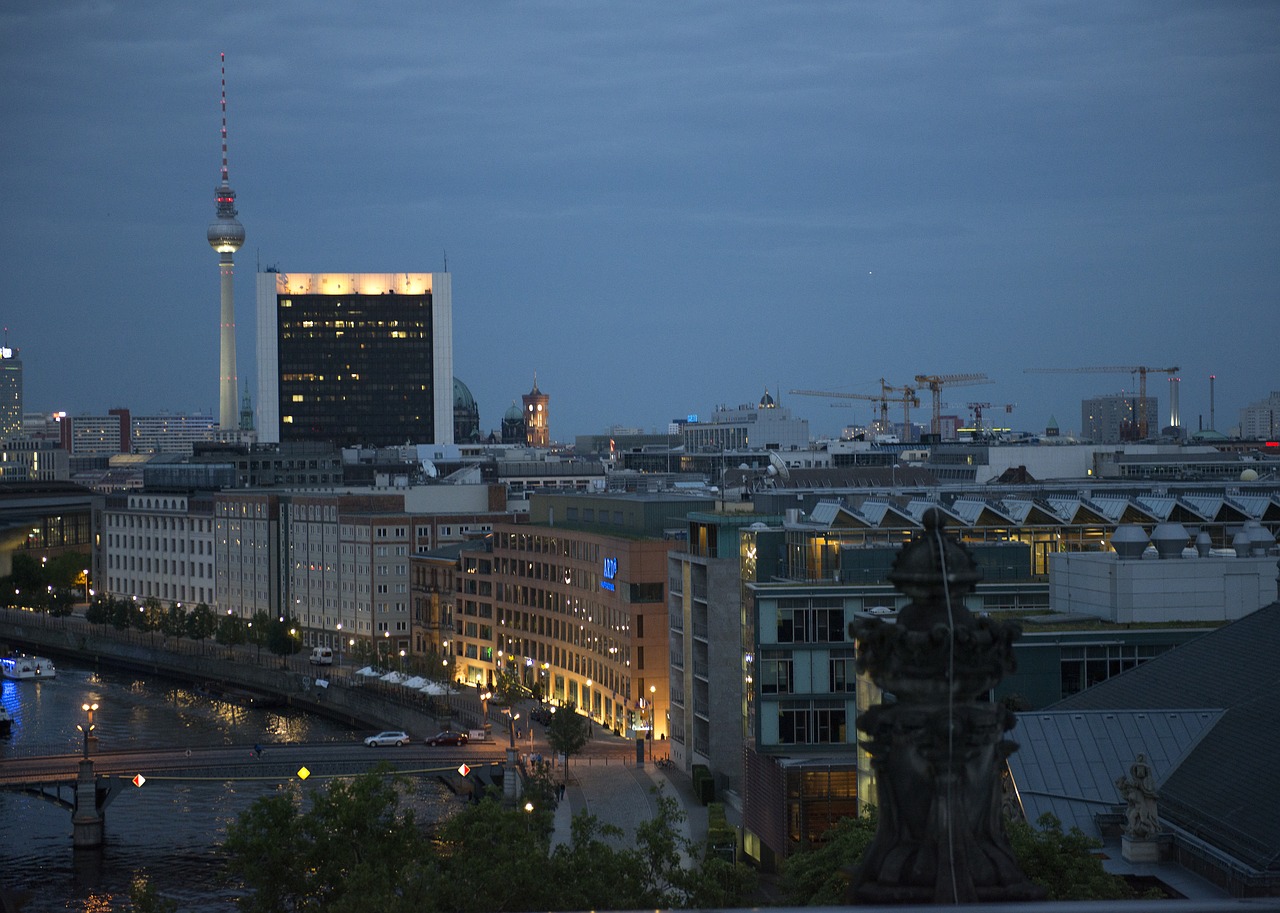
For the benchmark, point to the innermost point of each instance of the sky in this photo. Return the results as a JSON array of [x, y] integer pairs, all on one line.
[[661, 207]]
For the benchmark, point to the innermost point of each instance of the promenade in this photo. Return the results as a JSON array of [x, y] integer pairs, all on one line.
[[622, 793]]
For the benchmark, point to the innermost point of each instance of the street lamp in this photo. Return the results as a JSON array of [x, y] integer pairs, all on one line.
[[653, 690], [88, 728], [339, 644], [402, 662]]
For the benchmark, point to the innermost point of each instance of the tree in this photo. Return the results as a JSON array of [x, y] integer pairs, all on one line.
[[507, 692], [230, 631], [1064, 862], [818, 874], [354, 848], [567, 733], [282, 636], [201, 623]]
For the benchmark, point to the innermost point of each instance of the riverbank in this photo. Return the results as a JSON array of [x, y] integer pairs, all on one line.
[[333, 692]]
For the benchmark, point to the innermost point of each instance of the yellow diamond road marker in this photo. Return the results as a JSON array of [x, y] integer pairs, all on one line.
[[303, 773]]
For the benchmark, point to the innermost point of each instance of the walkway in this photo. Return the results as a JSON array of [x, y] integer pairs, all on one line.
[[623, 794]]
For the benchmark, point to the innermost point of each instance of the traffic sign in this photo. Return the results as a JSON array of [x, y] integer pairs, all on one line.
[[463, 769], [138, 780], [303, 773]]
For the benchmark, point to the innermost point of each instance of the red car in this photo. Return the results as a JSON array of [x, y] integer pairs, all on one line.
[[447, 738]]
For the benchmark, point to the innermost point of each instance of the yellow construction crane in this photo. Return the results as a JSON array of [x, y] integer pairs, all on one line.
[[1140, 370], [935, 383], [906, 396]]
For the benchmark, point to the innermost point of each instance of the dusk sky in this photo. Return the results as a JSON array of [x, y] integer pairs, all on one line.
[[660, 207]]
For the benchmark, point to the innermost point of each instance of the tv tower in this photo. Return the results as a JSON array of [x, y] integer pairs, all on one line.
[[226, 234]]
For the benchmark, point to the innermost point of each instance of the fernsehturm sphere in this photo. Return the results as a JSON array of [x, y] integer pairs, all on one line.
[[226, 235]]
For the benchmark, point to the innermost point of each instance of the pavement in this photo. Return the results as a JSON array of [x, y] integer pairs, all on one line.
[[624, 794], [605, 780]]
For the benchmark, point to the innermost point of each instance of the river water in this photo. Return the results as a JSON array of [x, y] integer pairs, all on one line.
[[170, 831]]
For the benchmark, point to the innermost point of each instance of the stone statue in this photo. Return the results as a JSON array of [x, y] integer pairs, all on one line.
[[1139, 793]]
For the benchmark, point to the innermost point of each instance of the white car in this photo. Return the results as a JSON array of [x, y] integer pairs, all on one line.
[[392, 737]]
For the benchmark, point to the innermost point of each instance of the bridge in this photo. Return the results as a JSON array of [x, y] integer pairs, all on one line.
[[87, 786]]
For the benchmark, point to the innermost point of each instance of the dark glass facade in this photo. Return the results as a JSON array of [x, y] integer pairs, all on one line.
[[356, 369]]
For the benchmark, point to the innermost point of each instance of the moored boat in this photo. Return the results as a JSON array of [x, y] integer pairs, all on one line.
[[22, 667]]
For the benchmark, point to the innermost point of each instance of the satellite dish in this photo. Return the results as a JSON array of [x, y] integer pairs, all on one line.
[[430, 469]]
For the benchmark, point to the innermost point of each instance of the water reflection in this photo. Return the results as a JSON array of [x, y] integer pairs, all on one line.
[[169, 830]]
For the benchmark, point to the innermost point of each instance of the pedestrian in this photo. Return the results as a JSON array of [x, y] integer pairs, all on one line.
[[257, 751]]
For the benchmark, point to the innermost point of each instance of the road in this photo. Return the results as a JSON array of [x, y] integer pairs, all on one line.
[[277, 762]]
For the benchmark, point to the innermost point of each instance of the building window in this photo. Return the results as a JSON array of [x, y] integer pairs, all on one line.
[[811, 625], [843, 671], [777, 674]]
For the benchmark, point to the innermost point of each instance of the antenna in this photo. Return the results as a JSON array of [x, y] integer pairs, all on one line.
[[223, 59], [446, 261]]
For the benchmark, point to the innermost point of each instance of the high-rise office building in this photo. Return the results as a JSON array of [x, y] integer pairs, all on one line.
[[10, 393], [355, 358], [1115, 418]]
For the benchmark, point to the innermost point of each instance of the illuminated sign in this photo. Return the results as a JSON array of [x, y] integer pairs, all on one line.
[[6, 352], [610, 571]]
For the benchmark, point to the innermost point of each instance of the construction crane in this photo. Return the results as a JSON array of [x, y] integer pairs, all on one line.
[[1140, 370], [976, 409], [935, 383], [905, 395]]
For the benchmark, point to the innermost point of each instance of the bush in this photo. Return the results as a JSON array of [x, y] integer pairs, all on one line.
[[704, 785]]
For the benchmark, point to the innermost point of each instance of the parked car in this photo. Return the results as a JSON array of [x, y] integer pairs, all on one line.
[[448, 738], [391, 737]]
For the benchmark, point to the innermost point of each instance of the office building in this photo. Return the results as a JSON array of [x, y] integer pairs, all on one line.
[[1260, 420], [10, 393], [764, 426], [1112, 419], [355, 359]]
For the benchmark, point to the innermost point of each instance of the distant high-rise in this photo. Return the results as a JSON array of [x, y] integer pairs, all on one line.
[[226, 235], [355, 358], [536, 402], [10, 393], [1111, 419]]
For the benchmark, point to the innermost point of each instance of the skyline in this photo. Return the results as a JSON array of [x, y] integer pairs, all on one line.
[[661, 209]]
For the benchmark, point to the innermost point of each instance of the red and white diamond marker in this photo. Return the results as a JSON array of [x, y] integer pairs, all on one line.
[[138, 780], [464, 770]]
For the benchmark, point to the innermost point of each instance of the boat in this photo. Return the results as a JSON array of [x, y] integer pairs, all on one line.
[[25, 667]]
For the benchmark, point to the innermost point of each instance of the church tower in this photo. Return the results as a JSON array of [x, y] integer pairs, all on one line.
[[535, 416]]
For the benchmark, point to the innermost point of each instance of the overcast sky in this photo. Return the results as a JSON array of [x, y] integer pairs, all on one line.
[[660, 207]]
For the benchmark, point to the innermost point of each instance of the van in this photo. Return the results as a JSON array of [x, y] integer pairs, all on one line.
[[321, 656]]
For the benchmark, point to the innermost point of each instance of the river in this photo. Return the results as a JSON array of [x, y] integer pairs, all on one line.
[[170, 831]]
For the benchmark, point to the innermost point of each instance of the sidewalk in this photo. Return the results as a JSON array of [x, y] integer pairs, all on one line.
[[622, 794]]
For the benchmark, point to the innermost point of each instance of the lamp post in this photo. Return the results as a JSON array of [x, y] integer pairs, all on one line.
[[87, 728], [653, 717], [339, 645]]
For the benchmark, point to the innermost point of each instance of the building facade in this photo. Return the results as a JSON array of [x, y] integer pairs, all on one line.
[[1112, 419], [355, 358], [158, 545], [764, 426], [1260, 421], [10, 393]]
